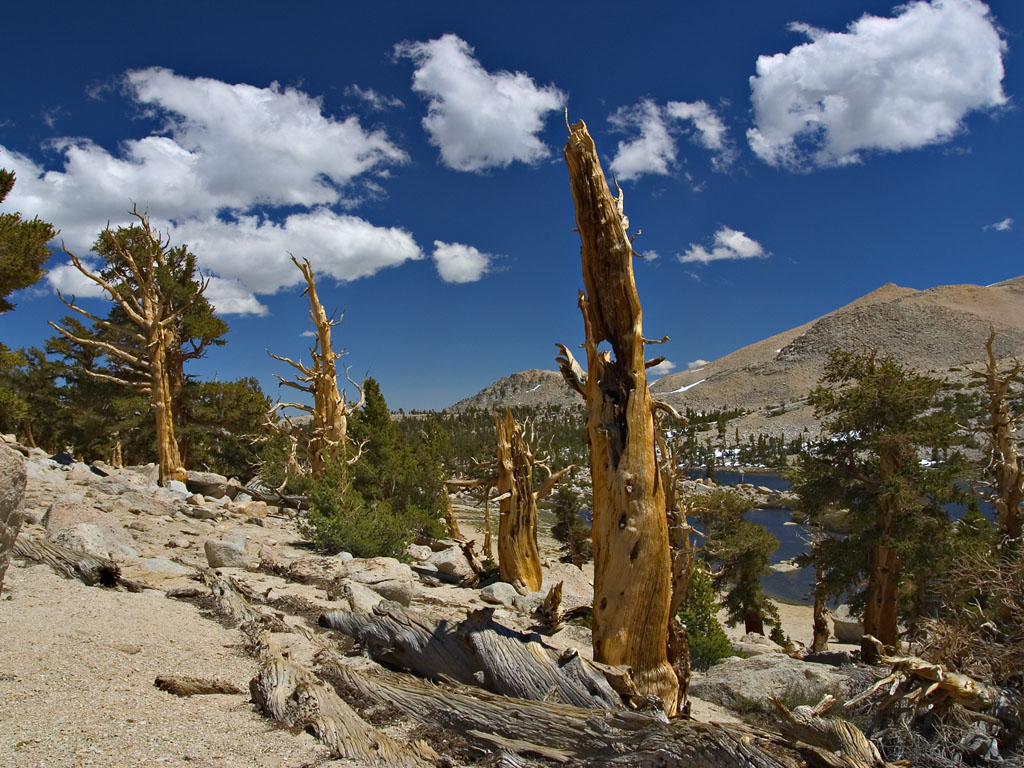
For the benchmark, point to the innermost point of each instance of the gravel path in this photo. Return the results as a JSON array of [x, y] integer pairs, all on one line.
[[77, 666]]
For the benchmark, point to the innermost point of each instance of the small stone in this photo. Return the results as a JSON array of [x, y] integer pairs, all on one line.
[[256, 521], [345, 557], [499, 593]]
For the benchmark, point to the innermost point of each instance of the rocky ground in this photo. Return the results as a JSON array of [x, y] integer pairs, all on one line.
[[78, 663]]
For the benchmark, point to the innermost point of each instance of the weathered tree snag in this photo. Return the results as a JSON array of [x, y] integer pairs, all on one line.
[[477, 651], [289, 693], [1006, 468], [632, 570], [147, 306], [87, 569], [330, 411], [806, 724], [819, 641], [561, 732], [512, 475], [549, 612]]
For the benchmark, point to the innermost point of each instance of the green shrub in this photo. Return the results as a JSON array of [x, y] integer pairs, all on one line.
[[699, 614], [569, 529], [341, 519]]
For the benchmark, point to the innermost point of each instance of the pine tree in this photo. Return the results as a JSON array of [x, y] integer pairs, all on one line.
[[877, 418]]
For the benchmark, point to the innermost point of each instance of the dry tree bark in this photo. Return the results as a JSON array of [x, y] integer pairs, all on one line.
[[289, 693], [563, 733], [512, 475], [478, 651], [146, 305], [330, 410], [193, 686], [1006, 467], [632, 568], [518, 554], [88, 569]]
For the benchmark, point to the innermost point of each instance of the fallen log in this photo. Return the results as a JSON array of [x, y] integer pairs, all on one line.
[[564, 733], [477, 651], [88, 569], [289, 693], [806, 724], [193, 686]]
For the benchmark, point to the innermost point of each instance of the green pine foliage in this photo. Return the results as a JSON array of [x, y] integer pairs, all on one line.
[[699, 614], [391, 494], [880, 424], [569, 529], [741, 551], [23, 250]]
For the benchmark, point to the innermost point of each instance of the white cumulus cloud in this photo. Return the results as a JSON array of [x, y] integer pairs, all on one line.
[[693, 365], [727, 244], [458, 263], [376, 101], [653, 148], [1000, 226], [476, 118], [889, 84], [665, 366], [222, 151]]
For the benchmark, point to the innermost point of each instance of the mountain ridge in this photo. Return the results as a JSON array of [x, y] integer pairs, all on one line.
[[935, 329]]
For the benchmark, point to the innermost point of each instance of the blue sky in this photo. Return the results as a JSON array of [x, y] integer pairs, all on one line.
[[781, 159]]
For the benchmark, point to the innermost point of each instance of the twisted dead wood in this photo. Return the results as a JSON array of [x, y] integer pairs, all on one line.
[[478, 651], [632, 568], [88, 569], [289, 693], [564, 733]]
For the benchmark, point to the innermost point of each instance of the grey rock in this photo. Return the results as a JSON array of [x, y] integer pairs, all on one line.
[[419, 552], [345, 557], [227, 552], [528, 603], [452, 562], [384, 575], [499, 593], [178, 487], [577, 590], [201, 513], [165, 565], [361, 599], [766, 675], [12, 488], [80, 473], [846, 627], [242, 498], [95, 540], [211, 484]]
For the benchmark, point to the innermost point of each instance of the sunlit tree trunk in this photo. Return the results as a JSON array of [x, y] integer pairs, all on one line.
[[141, 297], [330, 410], [632, 568], [1005, 467]]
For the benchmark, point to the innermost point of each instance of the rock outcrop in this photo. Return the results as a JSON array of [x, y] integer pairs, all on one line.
[[12, 488]]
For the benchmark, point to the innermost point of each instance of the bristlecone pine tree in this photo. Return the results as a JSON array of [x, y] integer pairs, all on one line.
[[1004, 461], [632, 567], [330, 410], [512, 476], [137, 278], [518, 555]]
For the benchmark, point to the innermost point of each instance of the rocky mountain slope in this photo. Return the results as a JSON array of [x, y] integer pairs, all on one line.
[[530, 388], [936, 330]]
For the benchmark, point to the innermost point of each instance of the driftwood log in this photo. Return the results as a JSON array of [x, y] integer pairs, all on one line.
[[480, 652], [88, 569], [289, 693], [193, 686], [562, 733]]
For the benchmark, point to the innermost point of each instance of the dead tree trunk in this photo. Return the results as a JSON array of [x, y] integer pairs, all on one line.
[[562, 733], [518, 554], [632, 571], [478, 651], [141, 296], [289, 693], [330, 411], [1005, 467]]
